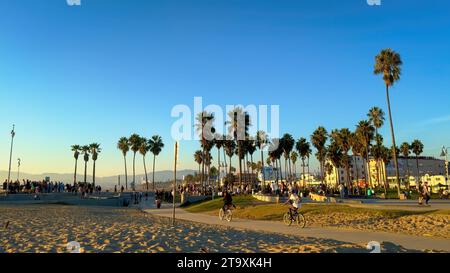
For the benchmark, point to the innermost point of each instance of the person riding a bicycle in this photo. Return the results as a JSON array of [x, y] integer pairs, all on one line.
[[295, 203], [227, 201]]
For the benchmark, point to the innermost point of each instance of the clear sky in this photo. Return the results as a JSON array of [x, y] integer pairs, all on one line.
[[109, 68]]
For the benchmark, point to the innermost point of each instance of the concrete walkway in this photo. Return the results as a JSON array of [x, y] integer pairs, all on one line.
[[352, 236]]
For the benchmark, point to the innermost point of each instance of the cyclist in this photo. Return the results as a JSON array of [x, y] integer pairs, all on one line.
[[227, 201], [294, 203]]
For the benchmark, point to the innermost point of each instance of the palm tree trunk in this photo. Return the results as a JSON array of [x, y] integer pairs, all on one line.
[[307, 165], [393, 141], [153, 171], [418, 172], [303, 171], [230, 165], [75, 173], [203, 167], [251, 161], [85, 170], [322, 176], [225, 161], [126, 174], [240, 163], [278, 170], [263, 172], [218, 176], [134, 171], [356, 169], [93, 175], [145, 170], [246, 168], [407, 171], [369, 178], [290, 169], [281, 170]]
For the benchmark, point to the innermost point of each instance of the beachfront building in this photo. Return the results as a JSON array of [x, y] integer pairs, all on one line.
[[429, 168], [269, 173], [338, 175]]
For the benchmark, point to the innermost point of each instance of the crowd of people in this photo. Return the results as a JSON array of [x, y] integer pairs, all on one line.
[[44, 186]]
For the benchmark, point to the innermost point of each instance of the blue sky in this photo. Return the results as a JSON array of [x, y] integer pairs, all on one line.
[[109, 68]]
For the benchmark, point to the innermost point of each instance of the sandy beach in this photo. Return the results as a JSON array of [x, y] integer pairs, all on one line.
[[430, 225], [48, 228]]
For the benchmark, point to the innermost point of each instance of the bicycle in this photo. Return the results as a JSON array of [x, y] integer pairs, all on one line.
[[227, 215], [294, 216]]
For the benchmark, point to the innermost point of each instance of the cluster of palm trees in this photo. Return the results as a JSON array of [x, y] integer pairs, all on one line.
[[416, 147], [238, 142], [339, 147], [87, 151], [136, 144]]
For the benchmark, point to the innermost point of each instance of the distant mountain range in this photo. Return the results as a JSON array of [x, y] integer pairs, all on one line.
[[106, 181]]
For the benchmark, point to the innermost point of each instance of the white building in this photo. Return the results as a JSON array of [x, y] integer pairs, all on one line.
[[357, 172]]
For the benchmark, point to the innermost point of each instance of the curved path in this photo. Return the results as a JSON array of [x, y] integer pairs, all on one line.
[[352, 236]]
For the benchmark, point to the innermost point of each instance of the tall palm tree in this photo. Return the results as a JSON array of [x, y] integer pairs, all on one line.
[[288, 144], [417, 149], [261, 142], [334, 154], [198, 157], [143, 150], [319, 139], [239, 123], [342, 138], [124, 146], [85, 150], [376, 118], [76, 153], [405, 150], [205, 130], [294, 157], [251, 149], [274, 154], [135, 144], [388, 63], [155, 146], [356, 151], [377, 154], [230, 146], [386, 156], [303, 148], [209, 145], [364, 132], [95, 150], [218, 142]]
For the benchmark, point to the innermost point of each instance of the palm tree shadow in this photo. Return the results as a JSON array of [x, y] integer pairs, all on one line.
[[390, 247]]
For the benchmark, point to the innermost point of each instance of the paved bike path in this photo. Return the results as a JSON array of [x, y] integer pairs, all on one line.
[[352, 236]]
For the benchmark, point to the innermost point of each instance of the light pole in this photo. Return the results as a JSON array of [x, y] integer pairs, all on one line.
[[444, 154], [13, 133], [18, 169]]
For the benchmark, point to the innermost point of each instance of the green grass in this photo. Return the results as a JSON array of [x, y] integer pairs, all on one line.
[[248, 207], [217, 203]]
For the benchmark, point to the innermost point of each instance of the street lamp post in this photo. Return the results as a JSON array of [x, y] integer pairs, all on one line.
[[444, 154], [18, 169], [13, 133]]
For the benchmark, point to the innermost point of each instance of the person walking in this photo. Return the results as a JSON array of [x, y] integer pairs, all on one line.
[[426, 192]]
